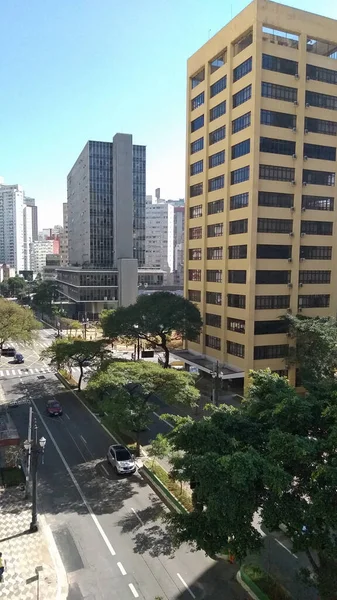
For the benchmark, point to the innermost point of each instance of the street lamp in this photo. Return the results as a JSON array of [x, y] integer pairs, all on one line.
[[35, 448], [85, 324], [138, 343], [217, 375]]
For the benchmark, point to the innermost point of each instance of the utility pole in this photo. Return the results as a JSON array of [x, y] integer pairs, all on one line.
[[215, 387], [35, 457], [30, 419]]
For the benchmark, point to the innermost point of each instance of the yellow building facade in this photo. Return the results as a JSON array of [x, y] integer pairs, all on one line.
[[260, 227]]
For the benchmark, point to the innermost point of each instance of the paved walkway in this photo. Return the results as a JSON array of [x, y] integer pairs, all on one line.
[[30, 572]]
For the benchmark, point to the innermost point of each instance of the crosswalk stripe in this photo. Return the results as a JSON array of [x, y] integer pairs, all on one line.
[[31, 370], [7, 372], [19, 372], [37, 371], [1, 374]]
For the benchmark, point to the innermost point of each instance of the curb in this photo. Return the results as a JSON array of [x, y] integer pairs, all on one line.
[[62, 580], [162, 491], [245, 586]]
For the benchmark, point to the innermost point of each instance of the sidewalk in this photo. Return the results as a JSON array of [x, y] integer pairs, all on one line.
[[33, 569]]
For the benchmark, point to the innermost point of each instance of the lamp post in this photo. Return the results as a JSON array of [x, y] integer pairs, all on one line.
[[216, 377], [85, 324], [138, 343], [35, 447]]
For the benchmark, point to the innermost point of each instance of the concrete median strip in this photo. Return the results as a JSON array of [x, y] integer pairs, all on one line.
[[62, 581]]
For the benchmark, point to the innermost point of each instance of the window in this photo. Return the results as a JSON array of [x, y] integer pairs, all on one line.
[[278, 351], [272, 277], [321, 74], [194, 295], [237, 276], [314, 301], [241, 122], [214, 275], [195, 233], [278, 92], [198, 101], [240, 149], [321, 100], [197, 167], [242, 69], [236, 300], [218, 86], [216, 159], [320, 152], [317, 203], [198, 78], [320, 126], [194, 274], [276, 199], [316, 227], [280, 65], [213, 342], [239, 201], [215, 207], [316, 252], [217, 183], [281, 373], [240, 226], [196, 211], [319, 177], [217, 111], [237, 325], [215, 230], [196, 190], [314, 277], [277, 119], [218, 61], [236, 252], [277, 173], [197, 145], [282, 38], [272, 251], [239, 175], [267, 327], [235, 349], [214, 298], [242, 96], [271, 302], [194, 254], [274, 225], [242, 43], [217, 135], [214, 253], [197, 123], [322, 47], [275, 146], [213, 320]]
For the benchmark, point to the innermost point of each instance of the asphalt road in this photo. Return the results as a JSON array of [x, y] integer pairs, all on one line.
[[33, 364], [109, 530]]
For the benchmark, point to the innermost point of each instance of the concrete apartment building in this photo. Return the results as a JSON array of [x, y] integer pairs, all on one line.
[[11, 225], [261, 195], [106, 226], [30, 229], [64, 237], [159, 251], [39, 251]]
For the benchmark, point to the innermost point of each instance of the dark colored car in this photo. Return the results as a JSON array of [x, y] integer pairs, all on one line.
[[9, 351], [18, 358], [54, 408]]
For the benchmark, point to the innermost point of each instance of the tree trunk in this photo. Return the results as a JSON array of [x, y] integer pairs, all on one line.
[[80, 378], [166, 351], [137, 443]]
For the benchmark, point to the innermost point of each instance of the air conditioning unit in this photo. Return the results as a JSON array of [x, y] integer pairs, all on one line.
[[302, 209], [290, 260], [302, 259], [294, 156], [302, 234], [292, 208], [291, 234], [294, 129], [296, 76], [306, 132], [296, 102], [307, 105], [290, 285], [293, 182], [305, 157], [300, 309], [301, 284], [304, 183], [308, 78]]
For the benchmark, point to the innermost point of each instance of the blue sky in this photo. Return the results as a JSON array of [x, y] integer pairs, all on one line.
[[73, 70]]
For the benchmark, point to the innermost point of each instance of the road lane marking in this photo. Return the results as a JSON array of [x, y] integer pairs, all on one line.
[[167, 423], [1, 374], [65, 414], [19, 372], [285, 547], [186, 586], [133, 590], [13, 371], [37, 371], [83, 440], [31, 371], [75, 482], [137, 515], [121, 568], [106, 470], [7, 372]]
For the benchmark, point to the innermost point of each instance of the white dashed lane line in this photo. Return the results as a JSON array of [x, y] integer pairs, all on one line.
[[186, 586], [133, 590], [138, 517], [121, 568]]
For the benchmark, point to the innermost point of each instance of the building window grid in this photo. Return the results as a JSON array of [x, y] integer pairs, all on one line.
[[277, 119], [279, 65], [215, 230], [217, 135], [194, 274], [194, 295], [236, 300], [213, 320], [278, 92], [276, 173], [197, 145], [321, 74], [276, 199], [320, 126], [316, 252], [314, 277], [197, 167], [216, 183], [197, 123], [319, 177], [196, 190], [275, 146], [235, 349], [214, 298], [241, 122], [319, 152], [243, 69], [242, 96], [216, 159], [196, 211], [215, 207], [269, 352], [240, 175], [272, 277], [317, 227], [318, 203], [215, 253], [218, 86], [217, 111], [271, 302], [194, 254], [195, 233], [314, 301], [240, 149], [214, 276], [237, 325], [239, 201], [274, 225], [212, 342], [321, 100], [237, 252], [274, 251], [239, 226], [198, 101], [237, 276]]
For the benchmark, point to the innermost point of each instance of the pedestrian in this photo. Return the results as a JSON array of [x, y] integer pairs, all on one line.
[[2, 567]]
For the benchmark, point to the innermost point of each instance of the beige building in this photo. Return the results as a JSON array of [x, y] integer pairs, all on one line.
[[260, 236]]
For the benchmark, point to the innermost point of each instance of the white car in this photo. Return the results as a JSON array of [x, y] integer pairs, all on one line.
[[121, 459]]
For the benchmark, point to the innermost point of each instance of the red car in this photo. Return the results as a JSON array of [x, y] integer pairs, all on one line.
[[54, 408]]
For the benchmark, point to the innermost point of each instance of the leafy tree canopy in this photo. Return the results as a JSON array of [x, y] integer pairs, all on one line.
[[276, 454], [44, 294], [16, 323], [153, 318]]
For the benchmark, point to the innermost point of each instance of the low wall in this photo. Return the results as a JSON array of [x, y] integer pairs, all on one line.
[[162, 491]]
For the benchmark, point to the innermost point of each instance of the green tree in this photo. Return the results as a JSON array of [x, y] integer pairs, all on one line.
[[17, 287], [276, 454], [16, 323], [160, 447], [4, 289], [44, 294], [75, 353], [153, 318], [125, 390]]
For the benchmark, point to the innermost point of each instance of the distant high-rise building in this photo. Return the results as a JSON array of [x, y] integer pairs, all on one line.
[[64, 237], [39, 250], [30, 230], [30, 202], [159, 253], [11, 226]]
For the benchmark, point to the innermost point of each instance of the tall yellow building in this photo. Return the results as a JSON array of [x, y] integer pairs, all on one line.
[[261, 196]]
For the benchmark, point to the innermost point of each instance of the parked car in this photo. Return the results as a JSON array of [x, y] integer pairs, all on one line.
[[121, 459], [19, 359], [8, 351], [54, 408]]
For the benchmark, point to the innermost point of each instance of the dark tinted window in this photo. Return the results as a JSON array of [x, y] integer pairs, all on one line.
[[198, 101], [194, 254], [197, 123], [194, 274], [216, 159], [213, 298], [196, 190], [242, 96], [314, 301], [241, 122], [215, 207], [318, 202], [320, 152], [218, 86], [235, 349], [217, 183], [197, 145], [217, 111], [239, 175], [273, 251], [278, 92], [237, 251], [236, 300], [215, 253], [214, 275], [266, 327], [213, 320], [197, 167], [194, 295], [275, 146], [271, 302], [320, 126], [239, 201], [277, 173], [278, 119], [314, 277], [240, 226], [123, 455], [272, 277], [213, 342], [316, 252], [274, 225], [217, 135], [242, 69], [280, 65], [316, 227], [240, 149], [263, 352], [321, 100], [319, 177], [215, 230], [321, 74], [276, 199], [237, 276]]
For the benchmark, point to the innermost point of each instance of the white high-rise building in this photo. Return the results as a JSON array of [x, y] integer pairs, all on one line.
[[11, 226], [30, 231], [39, 251], [159, 230], [64, 237]]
